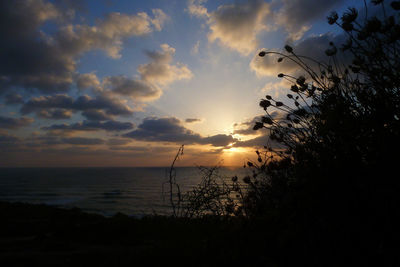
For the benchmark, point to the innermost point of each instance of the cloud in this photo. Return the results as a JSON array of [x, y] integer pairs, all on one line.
[[109, 33], [55, 114], [154, 75], [313, 47], [131, 148], [87, 80], [297, 16], [8, 139], [160, 71], [118, 142], [44, 142], [20, 21], [14, 123], [195, 48], [246, 127], [163, 129], [237, 25], [103, 103], [137, 89], [45, 102], [196, 8], [49, 64], [8, 143], [13, 98], [218, 140], [259, 141], [82, 141], [43, 65], [193, 120], [171, 130], [277, 88], [97, 115], [159, 19], [92, 126]]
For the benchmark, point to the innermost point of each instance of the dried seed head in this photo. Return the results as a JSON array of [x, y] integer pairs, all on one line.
[[350, 15], [288, 48], [332, 18]]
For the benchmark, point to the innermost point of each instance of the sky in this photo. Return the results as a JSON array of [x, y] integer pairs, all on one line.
[[125, 83]]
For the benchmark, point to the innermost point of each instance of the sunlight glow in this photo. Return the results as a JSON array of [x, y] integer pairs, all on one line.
[[233, 149]]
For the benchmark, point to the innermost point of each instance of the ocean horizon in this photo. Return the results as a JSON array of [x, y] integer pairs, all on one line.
[[135, 191]]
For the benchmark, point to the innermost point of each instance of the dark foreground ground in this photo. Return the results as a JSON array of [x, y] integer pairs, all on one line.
[[39, 235]]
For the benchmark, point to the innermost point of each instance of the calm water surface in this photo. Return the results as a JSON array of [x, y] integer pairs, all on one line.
[[133, 191]]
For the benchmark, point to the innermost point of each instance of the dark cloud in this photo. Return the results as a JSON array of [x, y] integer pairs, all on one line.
[[258, 142], [102, 103], [42, 141], [144, 150], [118, 142], [163, 129], [192, 120], [45, 142], [218, 140], [92, 126], [160, 71], [97, 115], [111, 105], [255, 142], [43, 65], [13, 98], [46, 102], [6, 138], [82, 141], [171, 130], [49, 64], [297, 16], [14, 123], [131, 148], [246, 128], [153, 75], [55, 114], [8, 141], [138, 89], [313, 47], [87, 80]]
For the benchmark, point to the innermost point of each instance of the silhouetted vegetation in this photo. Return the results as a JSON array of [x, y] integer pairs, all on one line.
[[213, 196], [327, 184], [333, 185]]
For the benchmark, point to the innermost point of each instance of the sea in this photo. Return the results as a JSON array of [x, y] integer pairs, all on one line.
[[134, 191]]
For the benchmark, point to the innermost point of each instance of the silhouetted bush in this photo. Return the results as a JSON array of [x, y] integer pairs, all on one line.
[[215, 195], [342, 116], [333, 184], [327, 185]]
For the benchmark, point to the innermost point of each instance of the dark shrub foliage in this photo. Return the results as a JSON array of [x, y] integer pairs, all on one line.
[[329, 195], [333, 186]]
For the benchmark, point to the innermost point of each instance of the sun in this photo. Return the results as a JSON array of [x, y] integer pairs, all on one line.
[[231, 148], [234, 156]]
